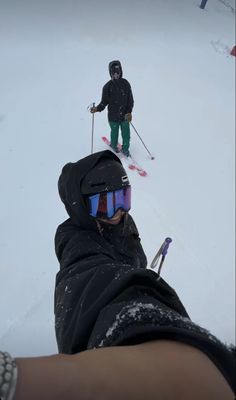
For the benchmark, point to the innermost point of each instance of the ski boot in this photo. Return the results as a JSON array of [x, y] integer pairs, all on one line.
[[115, 149], [126, 152]]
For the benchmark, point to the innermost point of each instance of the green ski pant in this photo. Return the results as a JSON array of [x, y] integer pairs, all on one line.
[[125, 133]]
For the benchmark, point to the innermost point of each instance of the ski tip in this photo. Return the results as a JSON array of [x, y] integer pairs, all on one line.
[[143, 173], [140, 171]]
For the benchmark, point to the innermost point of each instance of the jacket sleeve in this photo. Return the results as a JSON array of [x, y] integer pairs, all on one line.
[[77, 250], [105, 98], [130, 100]]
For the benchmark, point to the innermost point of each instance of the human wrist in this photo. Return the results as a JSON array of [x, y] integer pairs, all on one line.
[[8, 376]]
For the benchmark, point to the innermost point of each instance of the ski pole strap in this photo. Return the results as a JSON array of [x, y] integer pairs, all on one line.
[[156, 258]]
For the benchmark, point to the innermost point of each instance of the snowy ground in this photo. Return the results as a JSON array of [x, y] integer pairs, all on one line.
[[54, 57]]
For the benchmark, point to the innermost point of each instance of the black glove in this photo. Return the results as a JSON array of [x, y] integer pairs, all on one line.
[[93, 110]]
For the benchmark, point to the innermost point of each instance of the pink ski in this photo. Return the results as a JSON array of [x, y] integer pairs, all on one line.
[[131, 162]]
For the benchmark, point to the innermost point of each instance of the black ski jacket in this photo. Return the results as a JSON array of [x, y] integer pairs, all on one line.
[[105, 295], [117, 94], [85, 249]]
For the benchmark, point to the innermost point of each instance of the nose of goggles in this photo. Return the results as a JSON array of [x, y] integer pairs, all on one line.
[[105, 205]]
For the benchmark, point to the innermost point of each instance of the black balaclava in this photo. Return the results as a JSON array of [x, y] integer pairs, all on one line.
[[115, 70]]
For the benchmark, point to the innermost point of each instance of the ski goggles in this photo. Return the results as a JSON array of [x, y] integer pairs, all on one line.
[[105, 205]]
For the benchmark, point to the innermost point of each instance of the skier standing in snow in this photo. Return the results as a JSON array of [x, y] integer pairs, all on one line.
[[117, 95], [122, 331]]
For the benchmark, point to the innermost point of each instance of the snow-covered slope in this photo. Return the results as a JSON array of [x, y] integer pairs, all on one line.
[[54, 58]]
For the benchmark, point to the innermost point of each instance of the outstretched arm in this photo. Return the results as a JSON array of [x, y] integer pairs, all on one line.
[[152, 370]]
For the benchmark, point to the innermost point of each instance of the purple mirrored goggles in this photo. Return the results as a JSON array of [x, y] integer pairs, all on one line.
[[105, 205]]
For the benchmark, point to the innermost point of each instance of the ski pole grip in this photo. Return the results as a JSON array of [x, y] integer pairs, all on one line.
[[166, 246]]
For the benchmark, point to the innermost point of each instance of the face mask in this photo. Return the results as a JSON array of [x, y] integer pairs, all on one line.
[[115, 72]]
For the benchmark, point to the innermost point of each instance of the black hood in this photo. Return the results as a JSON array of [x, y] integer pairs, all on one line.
[[115, 62], [69, 186]]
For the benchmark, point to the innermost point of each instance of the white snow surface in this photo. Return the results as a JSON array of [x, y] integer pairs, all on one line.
[[54, 59]]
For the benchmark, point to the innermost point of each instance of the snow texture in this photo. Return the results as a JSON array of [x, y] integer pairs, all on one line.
[[54, 62], [135, 313]]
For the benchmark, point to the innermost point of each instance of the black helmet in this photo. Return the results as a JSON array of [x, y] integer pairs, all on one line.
[[108, 175]]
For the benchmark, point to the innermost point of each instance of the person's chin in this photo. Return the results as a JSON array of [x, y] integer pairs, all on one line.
[[114, 221]]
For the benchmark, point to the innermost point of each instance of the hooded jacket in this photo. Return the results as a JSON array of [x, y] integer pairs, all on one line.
[[104, 295], [85, 248], [117, 95]]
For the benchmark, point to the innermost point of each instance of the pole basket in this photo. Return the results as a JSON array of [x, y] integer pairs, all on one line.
[[233, 51]]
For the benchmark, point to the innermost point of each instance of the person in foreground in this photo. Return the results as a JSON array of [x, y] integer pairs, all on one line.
[[122, 331]]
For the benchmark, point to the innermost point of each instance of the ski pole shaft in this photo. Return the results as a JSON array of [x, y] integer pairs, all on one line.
[[92, 131], [152, 158], [203, 3], [160, 266]]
